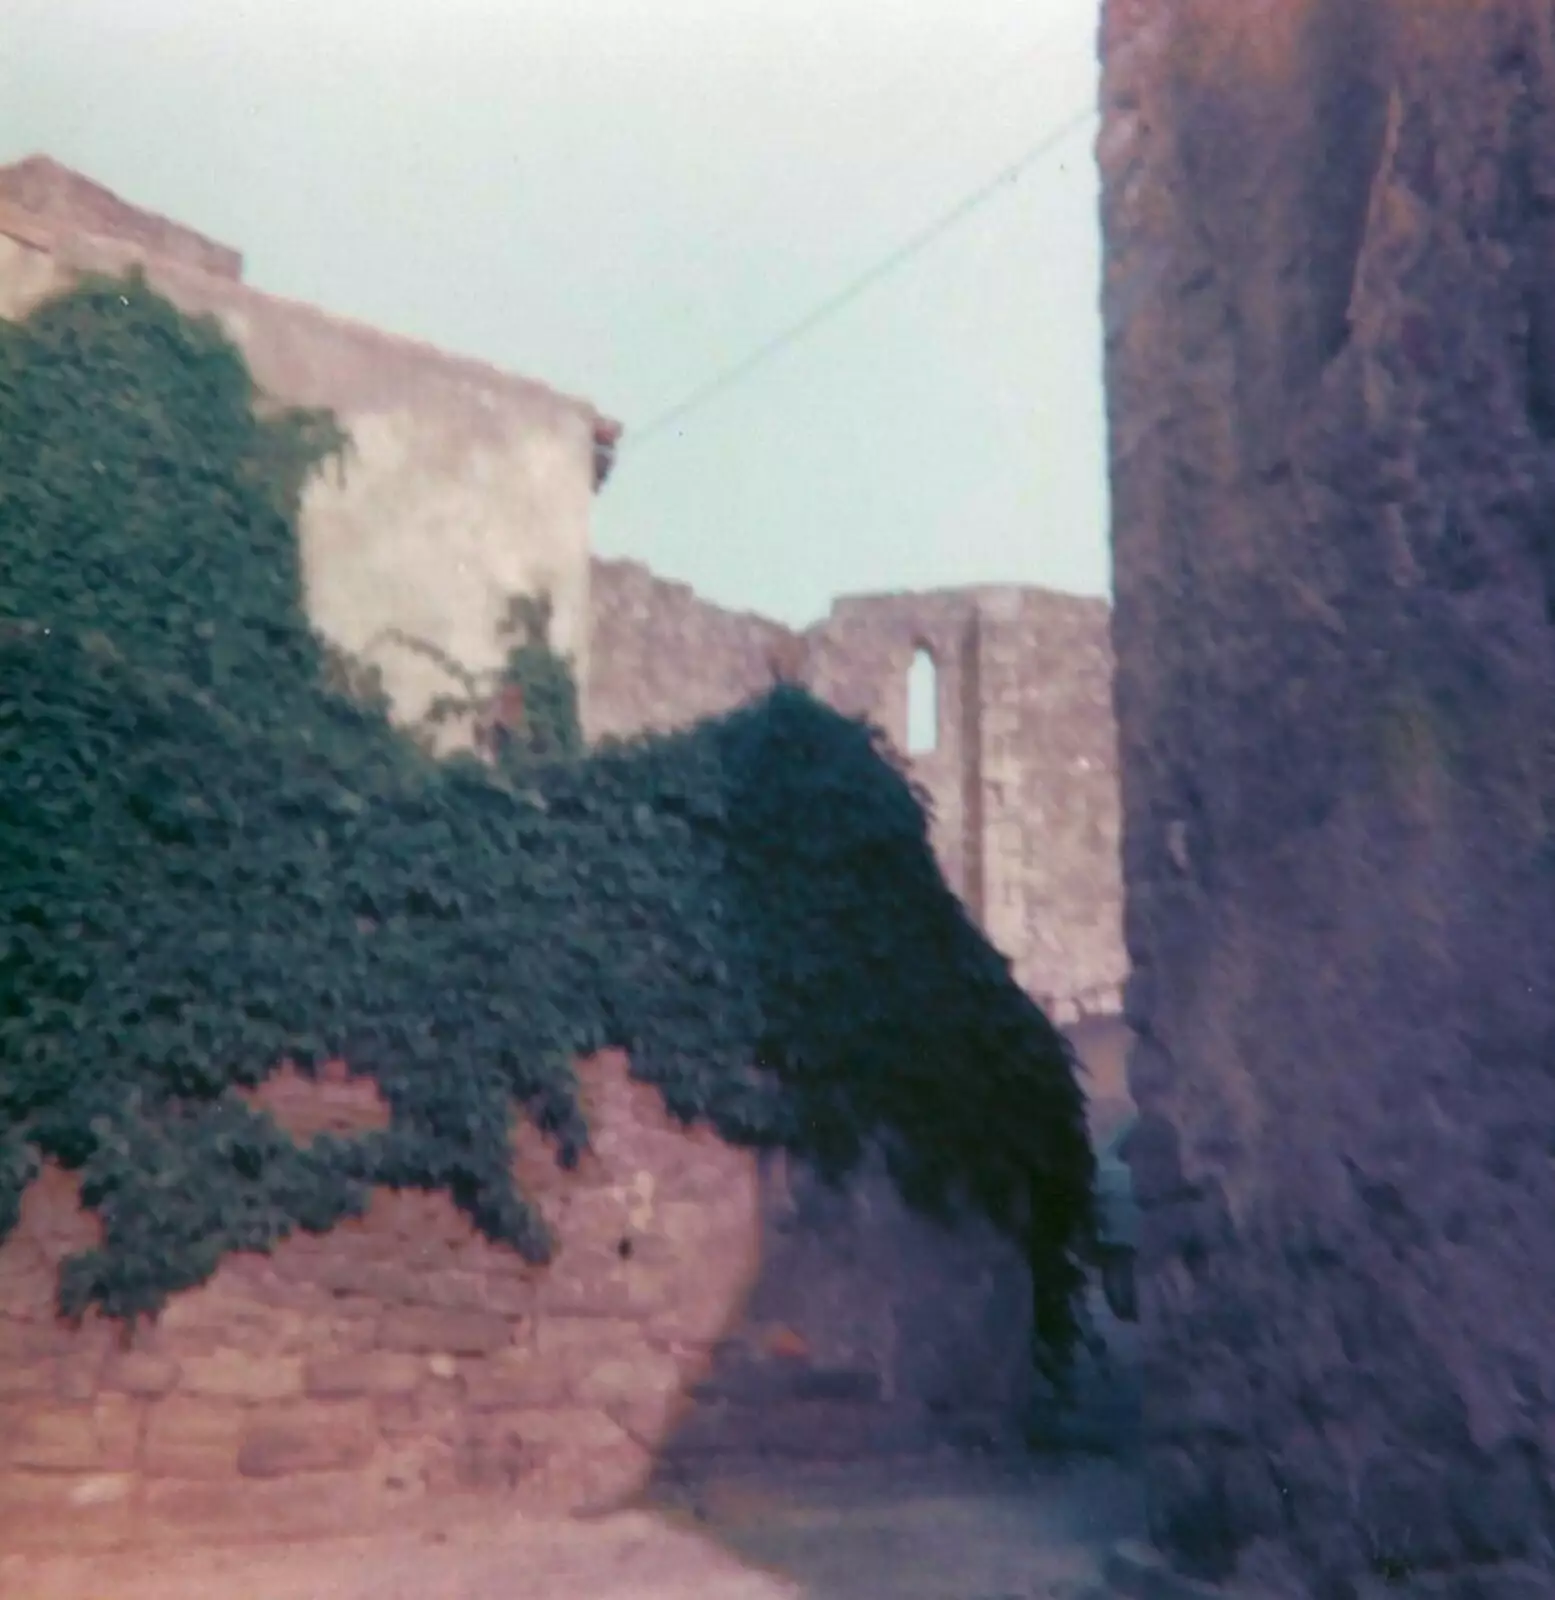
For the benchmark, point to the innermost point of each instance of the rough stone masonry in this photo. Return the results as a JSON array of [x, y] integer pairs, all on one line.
[[1330, 315]]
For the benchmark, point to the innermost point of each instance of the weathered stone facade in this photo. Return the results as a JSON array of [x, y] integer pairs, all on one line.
[[463, 486], [701, 1304], [923, 1333], [1330, 365], [869, 1331], [348, 1378], [1023, 775], [696, 1304]]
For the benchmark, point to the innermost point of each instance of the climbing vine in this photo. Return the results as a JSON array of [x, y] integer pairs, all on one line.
[[218, 855]]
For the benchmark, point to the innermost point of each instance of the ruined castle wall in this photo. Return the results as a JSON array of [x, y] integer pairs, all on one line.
[[463, 487], [1022, 778], [1053, 892], [67, 202], [1330, 364], [858, 660], [869, 1330], [394, 1365], [665, 658], [1023, 775], [400, 1367]]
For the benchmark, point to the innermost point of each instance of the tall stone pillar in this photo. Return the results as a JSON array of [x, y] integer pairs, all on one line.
[[1330, 313]]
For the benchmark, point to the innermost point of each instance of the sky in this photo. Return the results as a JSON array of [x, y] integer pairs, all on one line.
[[625, 201]]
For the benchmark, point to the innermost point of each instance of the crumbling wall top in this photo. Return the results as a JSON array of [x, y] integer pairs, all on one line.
[[67, 200]]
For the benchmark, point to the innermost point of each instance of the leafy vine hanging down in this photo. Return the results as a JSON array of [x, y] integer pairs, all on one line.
[[216, 854]]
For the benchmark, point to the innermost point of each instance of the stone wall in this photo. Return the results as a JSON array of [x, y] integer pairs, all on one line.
[[463, 487], [395, 1363], [869, 1330], [665, 658], [1330, 363], [1023, 773], [698, 1305], [70, 203]]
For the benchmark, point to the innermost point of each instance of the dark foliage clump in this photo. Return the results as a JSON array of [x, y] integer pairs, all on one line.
[[219, 855]]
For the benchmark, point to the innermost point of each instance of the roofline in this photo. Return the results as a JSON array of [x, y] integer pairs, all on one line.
[[44, 234]]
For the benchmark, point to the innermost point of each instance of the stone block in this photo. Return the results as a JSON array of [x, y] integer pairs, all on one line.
[[143, 1373], [495, 1452], [24, 1342], [559, 1461], [24, 1379], [366, 1372], [640, 1392], [77, 1374], [696, 1310], [27, 1278], [307, 1436], [449, 1289], [509, 1294], [803, 1430], [267, 1284], [219, 1316], [515, 1378], [44, 1511], [189, 1438], [389, 1282], [278, 1510], [425, 1330], [350, 1326], [591, 1336], [598, 1218], [101, 1437], [434, 1410], [238, 1375], [857, 1384], [412, 1467]]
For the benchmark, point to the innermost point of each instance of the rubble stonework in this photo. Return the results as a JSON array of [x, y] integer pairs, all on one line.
[[401, 1361], [463, 486], [1330, 322], [701, 1303], [1023, 776], [337, 1381]]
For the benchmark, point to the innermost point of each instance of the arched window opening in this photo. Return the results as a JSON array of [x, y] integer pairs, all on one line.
[[922, 705]]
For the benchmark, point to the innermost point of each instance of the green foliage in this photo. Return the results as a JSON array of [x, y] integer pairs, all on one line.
[[219, 855], [534, 688]]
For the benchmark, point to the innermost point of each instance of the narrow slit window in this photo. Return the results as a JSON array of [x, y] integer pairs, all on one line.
[[922, 705]]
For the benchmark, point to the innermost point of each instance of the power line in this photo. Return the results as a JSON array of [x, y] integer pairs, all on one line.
[[929, 134], [844, 297]]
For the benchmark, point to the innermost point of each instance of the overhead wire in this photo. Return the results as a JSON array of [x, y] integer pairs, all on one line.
[[907, 250], [1018, 64]]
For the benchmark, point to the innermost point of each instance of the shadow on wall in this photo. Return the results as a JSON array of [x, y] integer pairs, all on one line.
[[701, 1305], [871, 1331], [1000, 697], [399, 1364]]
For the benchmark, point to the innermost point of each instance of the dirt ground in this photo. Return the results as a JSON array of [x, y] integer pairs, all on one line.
[[954, 1529]]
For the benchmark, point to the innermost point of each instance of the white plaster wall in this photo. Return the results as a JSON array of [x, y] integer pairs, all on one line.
[[395, 543], [463, 487]]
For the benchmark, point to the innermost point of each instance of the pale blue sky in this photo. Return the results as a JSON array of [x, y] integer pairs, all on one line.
[[622, 199]]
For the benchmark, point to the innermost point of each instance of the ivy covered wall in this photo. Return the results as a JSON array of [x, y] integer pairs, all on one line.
[[219, 855]]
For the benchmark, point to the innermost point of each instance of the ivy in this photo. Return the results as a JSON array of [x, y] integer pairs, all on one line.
[[219, 855]]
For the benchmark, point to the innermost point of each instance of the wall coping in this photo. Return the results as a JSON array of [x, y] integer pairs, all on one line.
[[85, 250]]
